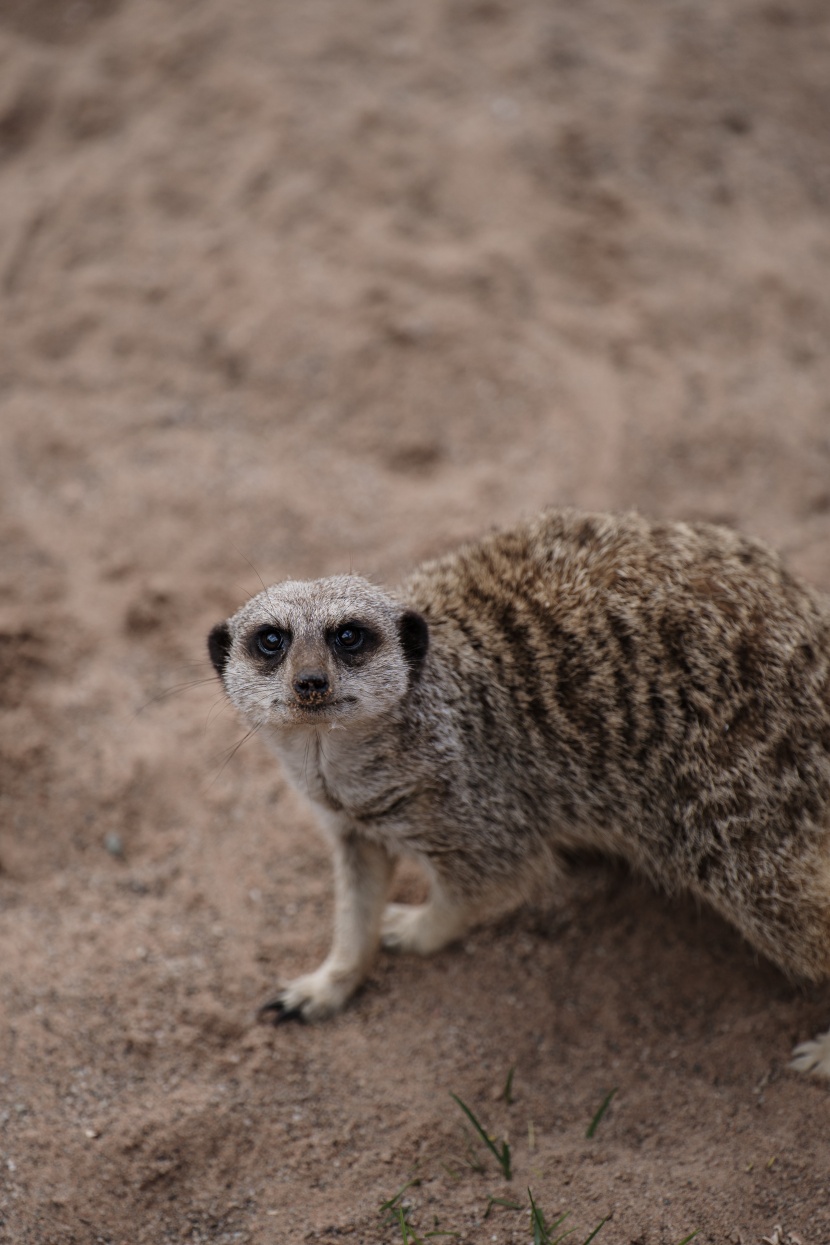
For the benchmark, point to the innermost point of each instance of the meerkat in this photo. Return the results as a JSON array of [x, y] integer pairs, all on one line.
[[656, 691]]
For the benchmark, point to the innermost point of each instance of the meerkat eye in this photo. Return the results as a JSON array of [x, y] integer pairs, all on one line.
[[270, 641], [349, 638]]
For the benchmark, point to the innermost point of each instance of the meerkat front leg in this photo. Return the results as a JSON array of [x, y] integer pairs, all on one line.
[[362, 871], [427, 927]]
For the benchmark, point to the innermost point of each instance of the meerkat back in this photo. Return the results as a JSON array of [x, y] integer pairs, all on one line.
[[678, 677]]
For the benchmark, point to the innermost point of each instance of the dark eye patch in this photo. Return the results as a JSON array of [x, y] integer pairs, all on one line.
[[269, 643], [352, 642], [351, 638]]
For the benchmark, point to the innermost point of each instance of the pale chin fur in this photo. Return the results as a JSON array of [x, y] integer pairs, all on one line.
[[289, 716]]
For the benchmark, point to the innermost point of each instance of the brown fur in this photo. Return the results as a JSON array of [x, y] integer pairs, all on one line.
[[659, 691]]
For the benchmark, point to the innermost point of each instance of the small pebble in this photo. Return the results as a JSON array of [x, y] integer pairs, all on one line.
[[114, 844]]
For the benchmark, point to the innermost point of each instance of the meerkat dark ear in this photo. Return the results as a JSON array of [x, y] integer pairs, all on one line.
[[219, 646], [414, 634]]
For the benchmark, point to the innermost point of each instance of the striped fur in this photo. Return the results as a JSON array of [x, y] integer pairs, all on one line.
[[658, 691]]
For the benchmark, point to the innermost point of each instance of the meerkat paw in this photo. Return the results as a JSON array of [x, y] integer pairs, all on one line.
[[312, 997], [813, 1057], [418, 928]]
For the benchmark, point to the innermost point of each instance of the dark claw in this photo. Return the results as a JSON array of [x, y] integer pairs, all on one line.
[[275, 1012]]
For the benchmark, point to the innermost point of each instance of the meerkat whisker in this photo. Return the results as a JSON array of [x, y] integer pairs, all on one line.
[[231, 752], [175, 690]]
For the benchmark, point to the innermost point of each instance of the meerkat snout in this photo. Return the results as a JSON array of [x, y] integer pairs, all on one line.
[[658, 691], [312, 685]]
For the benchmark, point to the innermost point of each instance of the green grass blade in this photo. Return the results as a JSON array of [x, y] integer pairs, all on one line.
[[557, 1222], [541, 1229], [500, 1201], [603, 1107], [507, 1092], [403, 1225], [537, 1222], [502, 1156], [688, 1238], [410, 1184], [482, 1134], [602, 1222]]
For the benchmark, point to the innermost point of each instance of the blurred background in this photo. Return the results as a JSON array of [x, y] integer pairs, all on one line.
[[288, 289]]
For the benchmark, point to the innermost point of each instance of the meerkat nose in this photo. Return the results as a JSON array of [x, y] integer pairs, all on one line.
[[311, 684]]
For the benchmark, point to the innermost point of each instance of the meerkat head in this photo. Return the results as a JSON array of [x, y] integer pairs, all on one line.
[[326, 651]]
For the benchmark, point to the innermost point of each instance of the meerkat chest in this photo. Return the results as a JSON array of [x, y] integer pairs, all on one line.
[[337, 772], [299, 753]]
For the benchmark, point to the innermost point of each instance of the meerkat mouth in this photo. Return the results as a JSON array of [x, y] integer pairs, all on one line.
[[317, 708]]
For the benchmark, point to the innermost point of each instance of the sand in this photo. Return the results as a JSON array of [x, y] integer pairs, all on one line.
[[289, 289]]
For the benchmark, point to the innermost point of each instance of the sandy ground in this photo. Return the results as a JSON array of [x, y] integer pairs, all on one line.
[[289, 288]]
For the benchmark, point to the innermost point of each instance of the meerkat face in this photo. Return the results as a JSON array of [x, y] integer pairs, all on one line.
[[328, 651]]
